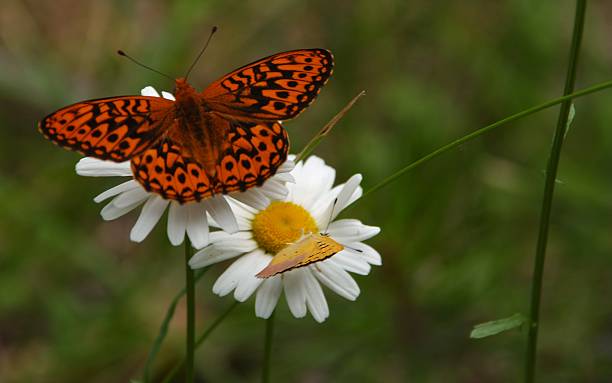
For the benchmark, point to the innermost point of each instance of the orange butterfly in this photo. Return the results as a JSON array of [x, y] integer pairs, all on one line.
[[227, 138], [310, 249]]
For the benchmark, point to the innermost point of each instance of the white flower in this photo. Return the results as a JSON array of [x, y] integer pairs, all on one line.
[[189, 218], [308, 208]]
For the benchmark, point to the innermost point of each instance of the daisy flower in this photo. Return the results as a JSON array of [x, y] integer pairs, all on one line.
[[311, 206], [191, 219]]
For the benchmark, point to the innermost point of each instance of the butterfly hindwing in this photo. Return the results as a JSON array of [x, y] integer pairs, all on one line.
[[310, 249], [252, 153], [277, 87], [113, 129]]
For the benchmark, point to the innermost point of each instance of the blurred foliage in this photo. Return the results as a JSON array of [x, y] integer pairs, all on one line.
[[80, 302]]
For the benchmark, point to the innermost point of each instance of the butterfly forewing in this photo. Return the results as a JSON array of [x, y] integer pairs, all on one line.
[[115, 129], [310, 249], [278, 87]]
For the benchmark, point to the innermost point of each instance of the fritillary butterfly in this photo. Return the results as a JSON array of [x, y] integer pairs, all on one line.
[[227, 138], [310, 249]]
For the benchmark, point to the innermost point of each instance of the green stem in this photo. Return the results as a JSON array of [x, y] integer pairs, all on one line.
[[163, 329], [486, 129], [549, 188], [265, 371], [190, 339], [170, 375]]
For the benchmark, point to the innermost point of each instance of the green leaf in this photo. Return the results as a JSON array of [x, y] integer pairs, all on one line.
[[486, 329]]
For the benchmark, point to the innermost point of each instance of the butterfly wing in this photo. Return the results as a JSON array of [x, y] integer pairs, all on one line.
[[311, 249], [277, 87], [115, 129], [252, 152]]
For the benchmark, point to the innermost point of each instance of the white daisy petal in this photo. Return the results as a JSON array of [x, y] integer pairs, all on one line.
[[351, 262], [295, 292], [337, 279], [211, 255], [197, 225], [121, 188], [241, 241], [167, 95], [149, 91], [356, 195], [286, 166], [252, 197], [284, 177], [177, 223], [330, 204], [315, 299], [111, 211], [274, 189], [267, 296], [351, 230], [368, 253], [249, 283], [244, 215], [323, 206], [316, 178], [149, 216], [93, 167], [227, 281], [220, 210], [237, 271], [131, 196], [345, 197]]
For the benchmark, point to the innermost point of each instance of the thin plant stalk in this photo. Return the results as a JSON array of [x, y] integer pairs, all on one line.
[[486, 129], [312, 144], [163, 330], [265, 371], [190, 298], [172, 373], [549, 188]]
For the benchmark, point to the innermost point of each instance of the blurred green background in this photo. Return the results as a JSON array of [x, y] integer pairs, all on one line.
[[80, 303]]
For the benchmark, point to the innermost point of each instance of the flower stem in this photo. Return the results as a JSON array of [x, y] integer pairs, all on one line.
[[486, 129], [549, 188], [265, 372], [163, 330], [168, 378], [190, 338]]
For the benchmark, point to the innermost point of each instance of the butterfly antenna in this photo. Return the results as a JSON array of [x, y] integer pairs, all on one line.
[[122, 53], [212, 32], [331, 215]]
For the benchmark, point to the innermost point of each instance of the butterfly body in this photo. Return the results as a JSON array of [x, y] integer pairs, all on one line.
[[227, 138], [197, 127]]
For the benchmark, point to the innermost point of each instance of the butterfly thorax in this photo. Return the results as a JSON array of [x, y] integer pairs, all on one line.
[[195, 129]]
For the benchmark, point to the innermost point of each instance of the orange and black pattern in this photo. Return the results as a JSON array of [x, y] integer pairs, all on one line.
[[253, 153], [114, 129], [278, 87], [227, 138]]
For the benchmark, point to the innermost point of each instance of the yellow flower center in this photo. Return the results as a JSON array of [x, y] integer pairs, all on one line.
[[281, 224]]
